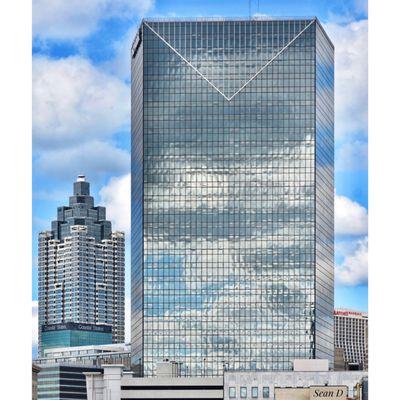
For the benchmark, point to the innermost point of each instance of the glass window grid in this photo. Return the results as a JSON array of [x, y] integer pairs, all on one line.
[[214, 177]]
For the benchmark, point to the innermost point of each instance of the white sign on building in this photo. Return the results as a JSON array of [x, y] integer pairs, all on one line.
[[312, 393], [328, 392]]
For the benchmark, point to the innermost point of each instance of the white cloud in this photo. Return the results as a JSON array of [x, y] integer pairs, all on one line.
[[116, 196], [74, 102], [77, 108], [73, 19], [120, 65], [354, 268], [94, 159], [351, 75], [350, 217], [352, 156], [50, 195], [344, 247], [34, 323]]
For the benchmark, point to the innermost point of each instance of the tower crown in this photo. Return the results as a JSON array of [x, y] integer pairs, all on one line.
[[81, 187]]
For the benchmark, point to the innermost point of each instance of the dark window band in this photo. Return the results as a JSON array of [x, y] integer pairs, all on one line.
[[175, 387], [174, 398]]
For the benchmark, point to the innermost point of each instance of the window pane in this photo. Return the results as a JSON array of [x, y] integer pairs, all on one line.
[[243, 392], [254, 392]]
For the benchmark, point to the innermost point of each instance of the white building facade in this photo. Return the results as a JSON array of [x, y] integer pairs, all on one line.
[[294, 385], [309, 379], [94, 356], [115, 384], [351, 335]]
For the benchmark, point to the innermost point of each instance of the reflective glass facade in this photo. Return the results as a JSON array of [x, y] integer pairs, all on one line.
[[56, 382], [232, 194], [71, 335]]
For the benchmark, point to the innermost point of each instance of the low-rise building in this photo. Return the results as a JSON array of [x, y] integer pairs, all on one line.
[[115, 384], [63, 381], [293, 385], [93, 356], [309, 379]]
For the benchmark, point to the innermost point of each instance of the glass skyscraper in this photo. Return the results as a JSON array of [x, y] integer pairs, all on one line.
[[81, 283], [232, 194]]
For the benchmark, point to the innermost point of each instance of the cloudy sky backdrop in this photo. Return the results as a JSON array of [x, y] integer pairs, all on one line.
[[81, 113]]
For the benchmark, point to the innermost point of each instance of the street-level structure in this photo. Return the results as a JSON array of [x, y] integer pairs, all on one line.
[[232, 194], [81, 276], [295, 385], [115, 384], [94, 356], [306, 381], [63, 381], [339, 364]]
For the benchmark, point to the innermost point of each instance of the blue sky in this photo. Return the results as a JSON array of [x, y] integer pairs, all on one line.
[[81, 111]]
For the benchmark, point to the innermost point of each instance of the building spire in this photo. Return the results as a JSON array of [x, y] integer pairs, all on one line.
[[81, 186]]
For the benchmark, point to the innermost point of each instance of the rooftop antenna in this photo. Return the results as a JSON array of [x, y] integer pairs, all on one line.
[[249, 9]]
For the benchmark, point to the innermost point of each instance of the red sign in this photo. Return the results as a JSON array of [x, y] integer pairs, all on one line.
[[347, 313]]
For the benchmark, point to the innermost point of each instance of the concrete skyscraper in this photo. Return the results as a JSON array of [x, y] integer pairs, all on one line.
[[351, 335], [232, 194], [81, 276]]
